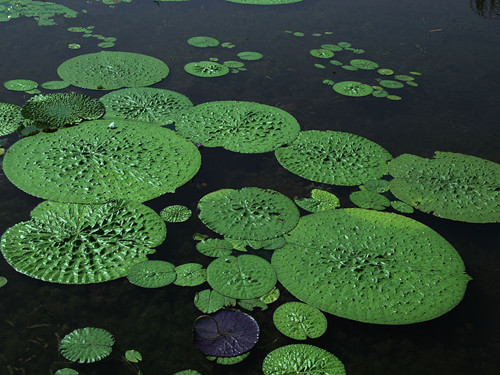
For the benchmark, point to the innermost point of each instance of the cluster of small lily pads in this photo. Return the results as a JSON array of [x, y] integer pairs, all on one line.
[[211, 67], [96, 160], [106, 41], [43, 12]]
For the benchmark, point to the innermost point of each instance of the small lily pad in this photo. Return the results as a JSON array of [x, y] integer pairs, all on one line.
[[369, 200], [320, 200], [229, 360], [206, 69], [402, 207], [352, 88], [250, 55], [133, 356], [152, 274], [86, 345], [299, 321], [271, 296], [322, 53], [364, 64], [66, 371], [209, 301], [203, 41], [175, 214], [387, 83], [190, 274], [3, 281]]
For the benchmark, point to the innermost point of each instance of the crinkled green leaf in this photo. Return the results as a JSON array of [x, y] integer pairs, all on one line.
[[299, 321], [86, 345], [320, 200]]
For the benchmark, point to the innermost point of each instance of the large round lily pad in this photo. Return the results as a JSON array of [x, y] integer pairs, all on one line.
[[152, 274], [86, 345], [110, 70], [299, 321], [147, 104], [302, 359], [248, 214], [82, 244], [238, 126], [333, 157], [92, 163], [371, 266], [242, 277], [452, 186]]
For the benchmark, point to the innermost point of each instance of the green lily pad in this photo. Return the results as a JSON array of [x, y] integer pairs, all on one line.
[[364, 64], [186, 372], [10, 118], [451, 185], [86, 345], [214, 247], [402, 207], [3, 281], [206, 69], [376, 186], [385, 72], [320, 200], [229, 360], [352, 88], [57, 110], [252, 304], [190, 274], [335, 158], [20, 85], [203, 41], [147, 104], [302, 359], [82, 244], [152, 274], [344, 44], [233, 64], [271, 296], [331, 47], [66, 371], [92, 162], [242, 277], [248, 214], [369, 200], [109, 70], [370, 266], [322, 53], [394, 97], [387, 83], [133, 356], [175, 214], [238, 126], [250, 55], [299, 321], [271, 244], [209, 301], [54, 85], [404, 77]]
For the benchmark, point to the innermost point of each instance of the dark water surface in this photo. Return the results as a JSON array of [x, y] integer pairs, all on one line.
[[455, 108]]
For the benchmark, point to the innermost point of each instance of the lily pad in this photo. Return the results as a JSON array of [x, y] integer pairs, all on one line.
[[203, 41], [320, 200], [147, 104], [302, 359], [209, 301], [391, 84], [20, 85], [335, 158], [227, 333], [248, 214], [376, 186], [238, 126], [299, 321], [364, 64], [451, 185], [251, 304], [190, 274], [206, 69], [371, 266], [322, 53], [242, 277], [352, 88], [402, 207], [250, 55], [92, 163], [175, 214], [54, 85], [271, 296], [110, 70], [57, 110], [66, 371], [214, 247], [81, 244], [369, 200], [133, 356], [10, 118], [86, 345], [3, 281], [152, 274]]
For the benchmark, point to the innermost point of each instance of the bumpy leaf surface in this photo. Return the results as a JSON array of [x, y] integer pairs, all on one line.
[[86, 345]]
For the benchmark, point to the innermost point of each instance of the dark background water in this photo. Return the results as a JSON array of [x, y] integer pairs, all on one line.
[[455, 108]]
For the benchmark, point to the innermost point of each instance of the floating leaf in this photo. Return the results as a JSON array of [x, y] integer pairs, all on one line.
[[152, 274], [10, 118], [133, 356], [391, 84], [20, 85], [320, 200], [299, 321], [250, 55], [209, 301], [369, 200], [376, 186], [402, 207], [271, 296], [352, 88], [66, 371], [229, 360], [322, 53], [364, 64], [206, 69], [175, 214], [264, 2], [203, 41], [227, 333], [190, 274], [86, 345], [251, 304], [186, 372], [214, 247], [3, 281]]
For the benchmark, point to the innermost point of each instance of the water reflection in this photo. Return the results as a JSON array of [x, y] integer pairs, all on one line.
[[486, 8]]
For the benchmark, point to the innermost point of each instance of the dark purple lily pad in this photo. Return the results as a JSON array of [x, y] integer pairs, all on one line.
[[227, 333]]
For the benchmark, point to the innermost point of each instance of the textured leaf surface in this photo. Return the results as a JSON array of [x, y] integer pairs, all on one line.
[[452, 186], [371, 267], [214, 247], [248, 214], [175, 214], [238, 126], [302, 359], [91, 163], [10, 118], [369, 200], [320, 200], [81, 244], [152, 274], [335, 158], [209, 301], [133, 356], [86, 345], [110, 70], [190, 274], [299, 321], [227, 333], [242, 277]]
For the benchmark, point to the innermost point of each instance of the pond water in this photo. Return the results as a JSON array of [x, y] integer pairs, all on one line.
[[454, 108]]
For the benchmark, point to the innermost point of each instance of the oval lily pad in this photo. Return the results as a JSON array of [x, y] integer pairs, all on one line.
[[238, 126], [86, 345], [110, 70], [364, 64], [203, 41], [242, 277], [250, 55], [206, 69], [335, 158], [369, 200], [214, 247], [209, 301], [299, 321], [248, 214], [152, 274], [371, 266], [82, 244], [451, 185], [227, 333], [387, 83], [175, 214], [66, 371], [54, 85], [20, 85], [302, 359], [402, 207], [92, 162], [322, 53], [229, 360], [190, 274], [352, 88]]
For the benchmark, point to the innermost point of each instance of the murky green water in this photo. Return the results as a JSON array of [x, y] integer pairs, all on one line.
[[455, 108]]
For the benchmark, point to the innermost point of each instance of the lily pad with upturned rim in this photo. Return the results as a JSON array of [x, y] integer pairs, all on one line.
[[299, 321], [206, 69], [152, 274], [86, 345]]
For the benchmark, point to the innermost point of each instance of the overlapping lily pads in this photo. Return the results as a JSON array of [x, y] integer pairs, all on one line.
[[335, 158], [110, 70], [238, 126], [92, 163], [81, 244], [371, 266], [248, 214], [86, 345], [147, 104], [320, 200], [451, 185]]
